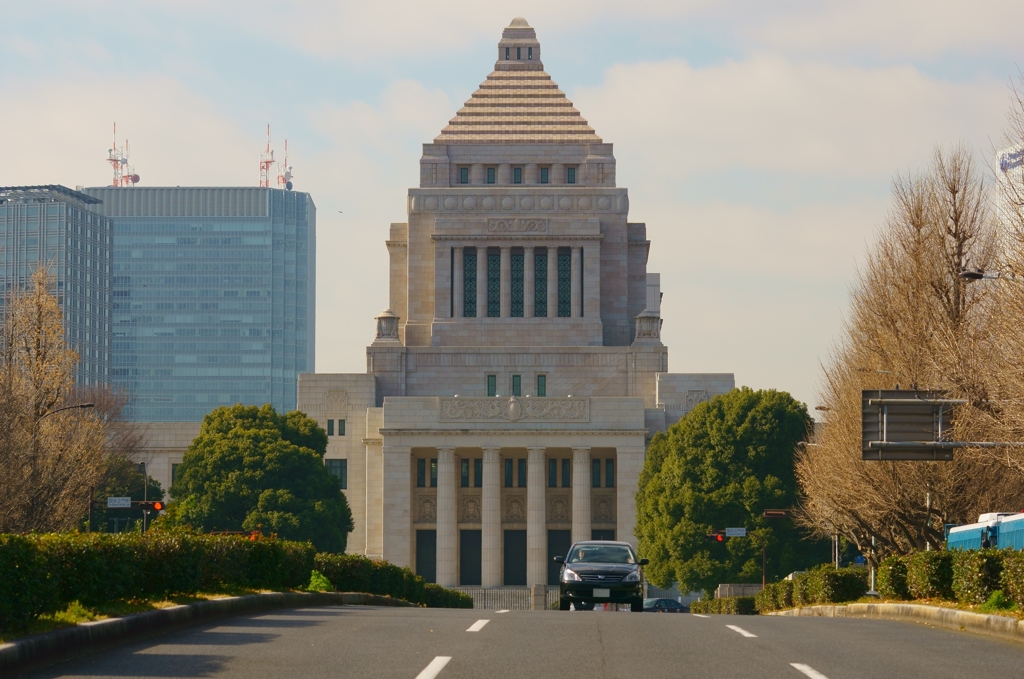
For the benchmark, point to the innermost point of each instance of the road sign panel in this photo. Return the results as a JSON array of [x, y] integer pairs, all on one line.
[[735, 532], [119, 503]]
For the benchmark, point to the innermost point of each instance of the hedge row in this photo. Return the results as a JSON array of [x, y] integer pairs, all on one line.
[[355, 573], [730, 605], [41, 574], [821, 585], [967, 576], [44, 573]]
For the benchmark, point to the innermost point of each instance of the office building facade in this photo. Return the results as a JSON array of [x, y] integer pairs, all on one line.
[[213, 297], [63, 230]]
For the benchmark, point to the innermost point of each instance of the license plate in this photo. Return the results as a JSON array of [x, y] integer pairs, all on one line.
[[602, 592]]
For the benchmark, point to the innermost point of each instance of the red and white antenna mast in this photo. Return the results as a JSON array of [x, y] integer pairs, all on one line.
[[124, 174], [284, 173], [266, 160]]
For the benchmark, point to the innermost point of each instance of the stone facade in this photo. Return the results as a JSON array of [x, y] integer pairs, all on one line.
[[518, 373]]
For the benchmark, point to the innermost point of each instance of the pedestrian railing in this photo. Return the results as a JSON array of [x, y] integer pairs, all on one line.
[[505, 598]]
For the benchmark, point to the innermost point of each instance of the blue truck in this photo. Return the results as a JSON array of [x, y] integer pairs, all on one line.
[[997, 530]]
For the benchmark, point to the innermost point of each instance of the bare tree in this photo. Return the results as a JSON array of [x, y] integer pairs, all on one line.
[[49, 458], [914, 322]]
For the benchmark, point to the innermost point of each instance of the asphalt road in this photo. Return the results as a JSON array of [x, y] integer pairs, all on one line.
[[408, 643]]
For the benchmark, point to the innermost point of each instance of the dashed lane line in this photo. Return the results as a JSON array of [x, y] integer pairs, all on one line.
[[740, 630], [434, 668], [477, 626], [502, 611], [808, 670], [698, 615]]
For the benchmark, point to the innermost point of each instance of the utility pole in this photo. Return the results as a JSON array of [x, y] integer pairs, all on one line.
[[89, 528]]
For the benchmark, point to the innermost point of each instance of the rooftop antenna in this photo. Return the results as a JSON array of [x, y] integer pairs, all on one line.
[[124, 174], [284, 174], [266, 160]]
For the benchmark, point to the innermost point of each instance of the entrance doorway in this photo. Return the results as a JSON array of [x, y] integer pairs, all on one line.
[[470, 545], [559, 542], [426, 555], [515, 557]]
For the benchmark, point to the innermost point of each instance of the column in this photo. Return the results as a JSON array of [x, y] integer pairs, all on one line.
[[536, 519], [576, 267], [446, 525], [628, 462], [591, 273], [481, 281], [490, 519], [580, 496], [457, 284], [506, 281], [442, 279], [552, 281], [528, 282]]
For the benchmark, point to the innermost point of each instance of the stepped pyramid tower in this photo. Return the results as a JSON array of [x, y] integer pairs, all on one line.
[[518, 372]]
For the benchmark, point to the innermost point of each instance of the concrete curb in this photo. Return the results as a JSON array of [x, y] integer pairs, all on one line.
[[950, 618], [39, 650]]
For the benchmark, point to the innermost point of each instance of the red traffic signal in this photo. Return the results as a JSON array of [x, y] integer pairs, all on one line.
[[776, 513], [152, 506], [717, 536]]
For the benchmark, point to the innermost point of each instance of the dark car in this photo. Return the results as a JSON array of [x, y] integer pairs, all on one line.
[[601, 571], [664, 606]]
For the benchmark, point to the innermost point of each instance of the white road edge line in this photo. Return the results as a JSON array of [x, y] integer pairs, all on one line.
[[698, 615], [434, 668], [502, 611], [477, 626], [742, 631], [808, 670]]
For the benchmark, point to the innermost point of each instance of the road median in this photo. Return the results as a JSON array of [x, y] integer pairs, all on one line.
[[39, 650], [949, 618]]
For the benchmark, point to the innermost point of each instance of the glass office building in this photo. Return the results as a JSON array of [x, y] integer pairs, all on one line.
[[213, 297], [63, 230]]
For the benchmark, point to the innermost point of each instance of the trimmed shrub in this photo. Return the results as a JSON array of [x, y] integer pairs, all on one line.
[[827, 585], [436, 596], [26, 587], [892, 578], [976, 574], [1012, 579], [801, 592], [355, 573], [776, 596], [730, 605], [930, 575]]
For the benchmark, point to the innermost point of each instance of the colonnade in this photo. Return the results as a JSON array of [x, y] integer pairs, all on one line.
[[458, 308], [490, 524]]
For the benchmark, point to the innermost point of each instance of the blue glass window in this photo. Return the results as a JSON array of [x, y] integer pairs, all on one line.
[[544, 179], [540, 283], [492, 385], [330, 427], [609, 473], [522, 473], [566, 473], [517, 283], [478, 473], [564, 285], [463, 175], [542, 385], [493, 284], [517, 175], [509, 481], [595, 473], [469, 282], [339, 469], [490, 175], [517, 385], [465, 473], [552, 473], [433, 472], [570, 175], [421, 472]]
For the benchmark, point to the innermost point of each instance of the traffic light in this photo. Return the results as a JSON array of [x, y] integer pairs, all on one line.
[[151, 506], [717, 536], [776, 513]]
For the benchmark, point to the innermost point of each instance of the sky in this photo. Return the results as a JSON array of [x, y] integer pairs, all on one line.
[[757, 140]]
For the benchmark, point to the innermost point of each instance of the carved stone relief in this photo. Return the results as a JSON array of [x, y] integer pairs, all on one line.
[[470, 509], [514, 410], [517, 225], [695, 396], [602, 508], [559, 508], [515, 508], [426, 509], [337, 400]]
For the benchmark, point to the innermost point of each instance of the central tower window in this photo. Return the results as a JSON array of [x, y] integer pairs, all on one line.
[[519, 53], [517, 175], [469, 282], [493, 283], [570, 175], [564, 284], [490, 175], [544, 178], [540, 282], [517, 282], [463, 175], [506, 52]]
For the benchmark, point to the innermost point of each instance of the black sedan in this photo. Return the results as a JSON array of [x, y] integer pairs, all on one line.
[[601, 571], [664, 606]]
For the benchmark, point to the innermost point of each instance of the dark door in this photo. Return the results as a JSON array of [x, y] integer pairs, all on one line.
[[602, 534], [559, 542], [469, 557], [426, 554], [515, 557]]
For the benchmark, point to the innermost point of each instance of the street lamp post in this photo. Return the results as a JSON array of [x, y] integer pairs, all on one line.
[[77, 406]]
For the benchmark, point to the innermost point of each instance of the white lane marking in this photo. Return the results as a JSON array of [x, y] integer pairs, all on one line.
[[502, 611], [434, 668], [808, 670], [740, 630], [477, 626], [698, 615]]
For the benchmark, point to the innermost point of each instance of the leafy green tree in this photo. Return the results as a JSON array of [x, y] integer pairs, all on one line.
[[721, 466], [251, 468]]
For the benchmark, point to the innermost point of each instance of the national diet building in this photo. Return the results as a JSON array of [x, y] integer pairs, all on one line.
[[518, 373]]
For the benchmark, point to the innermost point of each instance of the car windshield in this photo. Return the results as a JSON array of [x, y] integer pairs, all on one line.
[[601, 554]]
